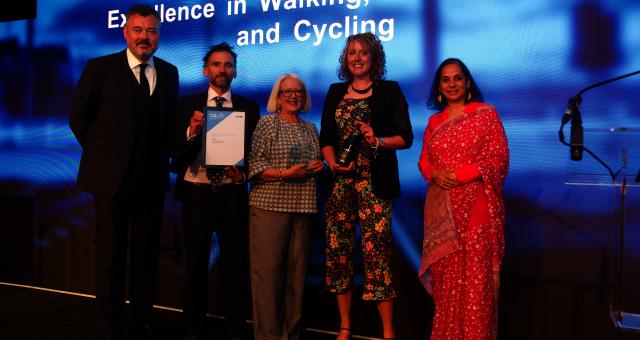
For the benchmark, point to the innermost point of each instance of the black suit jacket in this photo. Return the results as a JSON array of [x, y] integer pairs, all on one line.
[[184, 152], [102, 119], [389, 117]]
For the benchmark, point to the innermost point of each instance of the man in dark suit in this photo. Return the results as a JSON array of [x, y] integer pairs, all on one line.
[[221, 208], [122, 116]]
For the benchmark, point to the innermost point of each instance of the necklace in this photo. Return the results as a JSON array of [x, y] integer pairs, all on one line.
[[363, 91], [289, 118]]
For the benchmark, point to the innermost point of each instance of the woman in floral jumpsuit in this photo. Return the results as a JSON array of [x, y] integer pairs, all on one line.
[[362, 191]]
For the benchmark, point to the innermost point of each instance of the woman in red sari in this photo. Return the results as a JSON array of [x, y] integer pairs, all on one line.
[[465, 159]]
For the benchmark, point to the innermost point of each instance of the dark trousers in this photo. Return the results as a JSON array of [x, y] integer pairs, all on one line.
[[132, 222], [226, 213]]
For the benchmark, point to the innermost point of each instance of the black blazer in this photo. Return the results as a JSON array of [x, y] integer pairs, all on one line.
[[184, 152], [389, 117], [102, 119]]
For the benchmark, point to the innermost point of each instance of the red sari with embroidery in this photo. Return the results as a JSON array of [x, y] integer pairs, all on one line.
[[463, 242]]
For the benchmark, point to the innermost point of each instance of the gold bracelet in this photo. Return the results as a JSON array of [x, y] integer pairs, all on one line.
[[377, 144]]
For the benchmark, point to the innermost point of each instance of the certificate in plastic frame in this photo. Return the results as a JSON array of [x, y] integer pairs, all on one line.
[[223, 142]]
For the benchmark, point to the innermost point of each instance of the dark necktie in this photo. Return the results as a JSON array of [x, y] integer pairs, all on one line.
[[219, 101], [144, 83], [217, 176]]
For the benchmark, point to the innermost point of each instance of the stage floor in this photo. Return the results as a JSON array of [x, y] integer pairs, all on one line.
[[28, 312]]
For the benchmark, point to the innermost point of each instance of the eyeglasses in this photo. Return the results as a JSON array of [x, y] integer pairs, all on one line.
[[291, 92]]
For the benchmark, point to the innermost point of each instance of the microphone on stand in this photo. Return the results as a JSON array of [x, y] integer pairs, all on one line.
[[576, 139], [573, 113]]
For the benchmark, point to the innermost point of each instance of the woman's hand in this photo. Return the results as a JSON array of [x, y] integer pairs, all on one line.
[[315, 167], [367, 132], [337, 168], [444, 178], [298, 171], [428, 284]]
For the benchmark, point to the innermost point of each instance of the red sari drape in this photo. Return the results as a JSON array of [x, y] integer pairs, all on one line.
[[463, 242]]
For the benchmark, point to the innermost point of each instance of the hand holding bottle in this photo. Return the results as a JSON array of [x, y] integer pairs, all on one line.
[[350, 148], [335, 167]]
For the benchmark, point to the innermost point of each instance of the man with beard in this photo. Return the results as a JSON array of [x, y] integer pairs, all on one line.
[[220, 207], [121, 115]]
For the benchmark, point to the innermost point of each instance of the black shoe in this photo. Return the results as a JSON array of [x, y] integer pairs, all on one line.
[[235, 336], [144, 332]]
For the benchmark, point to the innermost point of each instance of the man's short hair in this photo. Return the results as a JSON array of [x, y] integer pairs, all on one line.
[[221, 47], [142, 10]]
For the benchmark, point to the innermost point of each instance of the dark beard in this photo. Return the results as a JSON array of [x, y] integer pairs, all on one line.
[[221, 83]]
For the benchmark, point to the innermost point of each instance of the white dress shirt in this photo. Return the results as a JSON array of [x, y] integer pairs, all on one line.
[[150, 71]]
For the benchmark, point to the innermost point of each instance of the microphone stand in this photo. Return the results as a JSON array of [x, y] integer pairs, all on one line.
[[573, 113]]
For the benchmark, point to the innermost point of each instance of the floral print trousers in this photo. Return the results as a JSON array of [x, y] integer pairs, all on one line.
[[352, 200]]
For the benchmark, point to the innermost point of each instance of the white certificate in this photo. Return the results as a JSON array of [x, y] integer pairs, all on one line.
[[223, 144]]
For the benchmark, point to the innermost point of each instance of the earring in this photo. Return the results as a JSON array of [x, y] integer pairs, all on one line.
[[468, 95], [439, 98]]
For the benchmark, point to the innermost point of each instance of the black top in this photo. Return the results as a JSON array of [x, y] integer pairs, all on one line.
[[389, 117]]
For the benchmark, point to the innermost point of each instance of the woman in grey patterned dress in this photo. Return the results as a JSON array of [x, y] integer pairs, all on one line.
[[283, 164]]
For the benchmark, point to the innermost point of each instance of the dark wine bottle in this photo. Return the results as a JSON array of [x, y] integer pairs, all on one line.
[[350, 148]]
